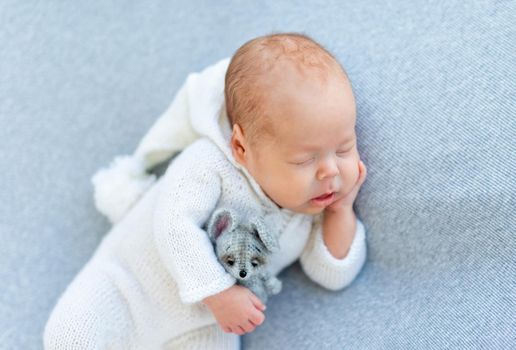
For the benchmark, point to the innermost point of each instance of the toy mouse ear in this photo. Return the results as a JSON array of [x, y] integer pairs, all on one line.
[[268, 238], [222, 220]]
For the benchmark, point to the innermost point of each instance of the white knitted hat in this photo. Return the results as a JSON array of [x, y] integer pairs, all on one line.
[[119, 186]]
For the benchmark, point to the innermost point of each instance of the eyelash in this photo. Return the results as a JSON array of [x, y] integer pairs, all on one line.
[[342, 152], [308, 161], [305, 162]]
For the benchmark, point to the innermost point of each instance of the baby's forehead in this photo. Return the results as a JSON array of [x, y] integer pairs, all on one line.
[[302, 115], [310, 134]]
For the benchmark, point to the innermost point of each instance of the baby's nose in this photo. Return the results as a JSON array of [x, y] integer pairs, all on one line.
[[243, 273], [328, 169]]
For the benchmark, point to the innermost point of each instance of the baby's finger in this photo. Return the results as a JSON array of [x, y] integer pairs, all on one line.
[[361, 166], [257, 318], [237, 330], [240, 331], [363, 172], [257, 302], [248, 327]]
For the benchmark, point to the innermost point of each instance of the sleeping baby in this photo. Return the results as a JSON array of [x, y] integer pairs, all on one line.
[[269, 133]]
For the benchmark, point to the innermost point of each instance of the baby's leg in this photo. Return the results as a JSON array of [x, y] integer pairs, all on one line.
[[210, 337], [91, 314]]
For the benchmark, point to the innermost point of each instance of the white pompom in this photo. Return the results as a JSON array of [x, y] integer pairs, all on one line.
[[119, 186]]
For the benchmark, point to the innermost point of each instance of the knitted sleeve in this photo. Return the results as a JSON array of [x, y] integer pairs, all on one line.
[[326, 270], [191, 189]]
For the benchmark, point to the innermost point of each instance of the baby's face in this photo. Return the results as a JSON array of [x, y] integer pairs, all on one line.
[[314, 151]]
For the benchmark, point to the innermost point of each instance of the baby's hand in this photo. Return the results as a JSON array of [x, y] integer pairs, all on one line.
[[347, 201], [236, 309]]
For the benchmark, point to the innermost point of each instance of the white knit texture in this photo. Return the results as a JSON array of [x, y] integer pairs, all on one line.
[[192, 189], [143, 286], [325, 269], [117, 187]]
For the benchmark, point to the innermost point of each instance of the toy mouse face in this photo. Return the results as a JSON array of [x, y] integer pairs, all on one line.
[[241, 248]]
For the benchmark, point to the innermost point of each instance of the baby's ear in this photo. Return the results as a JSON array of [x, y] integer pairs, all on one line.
[[222, 220], [268, 238]]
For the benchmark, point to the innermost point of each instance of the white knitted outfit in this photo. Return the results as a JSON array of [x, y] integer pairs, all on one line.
[[143, 286]]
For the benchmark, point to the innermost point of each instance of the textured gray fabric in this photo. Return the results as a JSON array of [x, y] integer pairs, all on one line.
[[81, 82]]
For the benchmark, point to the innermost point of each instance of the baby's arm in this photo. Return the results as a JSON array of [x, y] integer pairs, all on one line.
[[190, 191], [324, 268], [345, 234], [188, 197]]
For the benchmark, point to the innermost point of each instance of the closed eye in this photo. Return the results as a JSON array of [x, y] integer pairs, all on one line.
[[308, 161], [344, 152]]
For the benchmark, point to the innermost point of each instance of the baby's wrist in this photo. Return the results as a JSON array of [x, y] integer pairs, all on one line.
[[339, 231], [209, 300]]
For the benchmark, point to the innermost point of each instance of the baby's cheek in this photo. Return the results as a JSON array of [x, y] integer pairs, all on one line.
[[350, 173], [298, 186]]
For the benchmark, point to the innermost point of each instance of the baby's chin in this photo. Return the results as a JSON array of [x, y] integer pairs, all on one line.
[[307, 209], [314, 210]]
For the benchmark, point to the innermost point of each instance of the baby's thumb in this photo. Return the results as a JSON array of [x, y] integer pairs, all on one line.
[[257, 302]]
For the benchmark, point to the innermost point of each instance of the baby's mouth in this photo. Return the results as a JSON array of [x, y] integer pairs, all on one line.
[[323, 200], [324, 196]]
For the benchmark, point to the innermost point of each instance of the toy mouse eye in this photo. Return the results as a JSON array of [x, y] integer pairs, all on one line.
[[255, 262], [230, 261]]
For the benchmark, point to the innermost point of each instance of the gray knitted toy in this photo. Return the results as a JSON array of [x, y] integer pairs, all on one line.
[[243, 250]]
